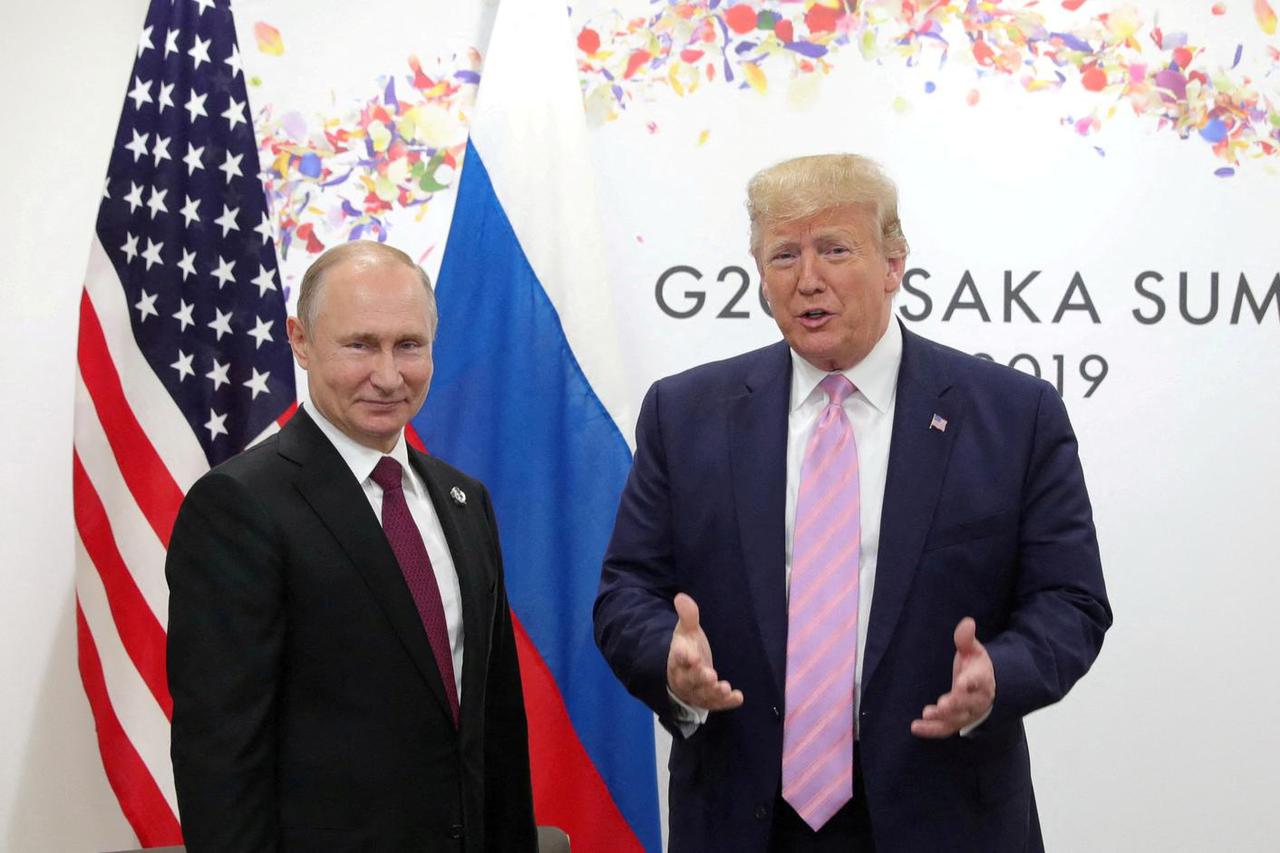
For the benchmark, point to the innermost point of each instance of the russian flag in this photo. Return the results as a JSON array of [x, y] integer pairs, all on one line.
[[527, 396]]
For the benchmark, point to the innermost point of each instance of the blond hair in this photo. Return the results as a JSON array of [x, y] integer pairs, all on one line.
[[357, 250], [802, 187]]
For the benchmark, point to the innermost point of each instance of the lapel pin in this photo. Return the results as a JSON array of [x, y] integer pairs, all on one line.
[[460, 497], [939, 423]]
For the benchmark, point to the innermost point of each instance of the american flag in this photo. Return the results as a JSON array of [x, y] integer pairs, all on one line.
[[183, 362]]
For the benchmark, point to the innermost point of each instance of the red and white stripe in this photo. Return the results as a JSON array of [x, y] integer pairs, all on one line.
[[134, 458]]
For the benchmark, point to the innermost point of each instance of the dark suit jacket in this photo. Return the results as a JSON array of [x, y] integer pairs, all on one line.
[[988, 518], [308, 711]]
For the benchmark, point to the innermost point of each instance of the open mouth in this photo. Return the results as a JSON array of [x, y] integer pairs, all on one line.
[[814, 318]]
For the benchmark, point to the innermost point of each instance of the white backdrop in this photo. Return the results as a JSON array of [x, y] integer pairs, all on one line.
[[1166, 745], [63, 67]]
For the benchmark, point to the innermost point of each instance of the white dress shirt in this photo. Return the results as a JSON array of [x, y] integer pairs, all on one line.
[[870, 410], [362, 460]]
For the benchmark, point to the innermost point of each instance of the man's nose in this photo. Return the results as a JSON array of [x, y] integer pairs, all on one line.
[[385, 374], [810, 277]]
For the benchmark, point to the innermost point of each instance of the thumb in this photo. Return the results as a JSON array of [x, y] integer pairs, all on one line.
[[966, 636], [687, 612]]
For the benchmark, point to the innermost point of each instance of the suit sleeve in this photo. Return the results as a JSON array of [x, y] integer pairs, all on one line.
[[634, 615], [1060, 610], [226, 629], [508, 806]]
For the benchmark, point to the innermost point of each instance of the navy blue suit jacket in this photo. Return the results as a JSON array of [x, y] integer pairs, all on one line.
[[988, 518]]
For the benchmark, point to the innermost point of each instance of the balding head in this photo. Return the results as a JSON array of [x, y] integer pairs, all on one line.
[[361, 254]]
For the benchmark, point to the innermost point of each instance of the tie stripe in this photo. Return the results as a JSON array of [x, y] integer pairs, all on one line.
[[822, 618], [839, 559]]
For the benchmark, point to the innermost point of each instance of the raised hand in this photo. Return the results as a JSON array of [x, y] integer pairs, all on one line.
[[690, 674], [973, 688]]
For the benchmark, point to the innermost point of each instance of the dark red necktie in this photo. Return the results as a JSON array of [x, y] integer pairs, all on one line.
[[411, 554]]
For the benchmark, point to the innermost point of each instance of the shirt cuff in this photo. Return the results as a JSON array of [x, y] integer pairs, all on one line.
[[686, 717]]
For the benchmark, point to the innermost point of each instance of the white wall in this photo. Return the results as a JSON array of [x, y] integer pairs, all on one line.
[[1167, 745], [64, 67]]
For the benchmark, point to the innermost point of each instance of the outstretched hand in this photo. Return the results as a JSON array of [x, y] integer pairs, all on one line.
[[690, 675], [973, 688]]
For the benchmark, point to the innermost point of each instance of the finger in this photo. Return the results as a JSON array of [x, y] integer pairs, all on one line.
[[687, 612], [721, 697], [966, 635], [933, 729], [733, 700], [947, 715]]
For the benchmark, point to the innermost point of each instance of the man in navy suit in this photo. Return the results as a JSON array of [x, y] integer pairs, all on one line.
[[969, 587]]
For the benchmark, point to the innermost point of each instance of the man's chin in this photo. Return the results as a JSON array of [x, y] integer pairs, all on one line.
[[382, 432], [821, 357]]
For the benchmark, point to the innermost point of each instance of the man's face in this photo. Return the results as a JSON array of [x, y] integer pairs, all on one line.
[[828, 284], [367, 353]]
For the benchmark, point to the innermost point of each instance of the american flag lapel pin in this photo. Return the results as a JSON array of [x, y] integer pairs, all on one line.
[[939, 423]]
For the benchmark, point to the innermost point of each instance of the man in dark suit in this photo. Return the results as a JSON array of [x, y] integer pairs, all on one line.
[[887, 543], [341, 655]]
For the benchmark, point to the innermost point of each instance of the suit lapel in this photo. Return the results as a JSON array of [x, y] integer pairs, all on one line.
[[917, 463], [327, 485], [758, 460], [476, 583]]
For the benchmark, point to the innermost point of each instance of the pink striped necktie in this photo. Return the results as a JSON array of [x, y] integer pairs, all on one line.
[[822, 618]]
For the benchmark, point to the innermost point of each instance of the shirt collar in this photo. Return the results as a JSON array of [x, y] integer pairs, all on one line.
[[360, 459], [875, 377]]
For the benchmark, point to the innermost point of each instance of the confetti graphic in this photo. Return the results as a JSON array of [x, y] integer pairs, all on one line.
[[1116, 54], [268, 39], [332, 178], [336, 178]]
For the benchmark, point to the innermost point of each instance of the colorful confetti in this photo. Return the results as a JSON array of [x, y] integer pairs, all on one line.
[[339, 177], [1115, 54], [336, 178], [268, 38], [1266, 16]]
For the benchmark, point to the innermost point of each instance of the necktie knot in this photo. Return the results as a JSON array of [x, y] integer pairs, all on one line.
[[837, 387], [387, 474]]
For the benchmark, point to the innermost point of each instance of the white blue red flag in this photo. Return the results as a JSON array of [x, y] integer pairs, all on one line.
[[527, 395]]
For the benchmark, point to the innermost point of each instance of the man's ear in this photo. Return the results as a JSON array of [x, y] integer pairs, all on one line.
[[894, 268], [297, 340]]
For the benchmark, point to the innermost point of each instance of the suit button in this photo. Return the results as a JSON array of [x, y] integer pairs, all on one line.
[[777, 715], [455, 830], [762, 812]]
